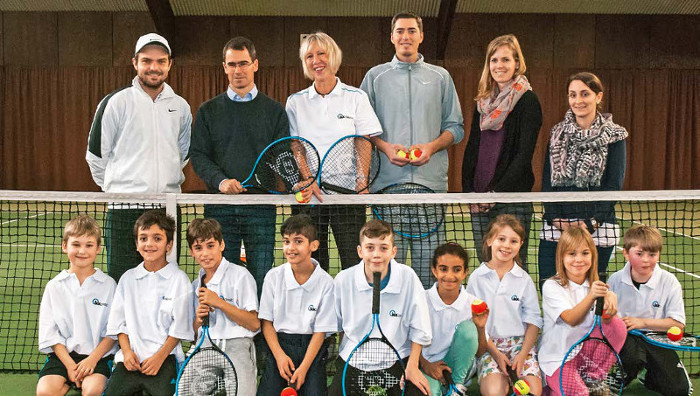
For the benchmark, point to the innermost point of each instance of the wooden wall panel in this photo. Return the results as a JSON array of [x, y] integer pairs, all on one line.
[[674, 42], [127, 27], [471, 34], [535, 34], [30, 38], [574, 41], [267, 34], [201, 39], [622, 41], [360, 39], [293, 28], [2, 58], [85, 39]]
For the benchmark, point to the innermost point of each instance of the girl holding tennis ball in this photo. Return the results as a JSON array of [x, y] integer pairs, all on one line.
[[458, 336], [515, 318]]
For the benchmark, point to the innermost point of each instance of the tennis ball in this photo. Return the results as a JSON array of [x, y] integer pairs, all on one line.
[[674, 333], [299, 197], [521, 387], [606, 316], [402, 153], [478, 306], [415, 154], [288, 391]]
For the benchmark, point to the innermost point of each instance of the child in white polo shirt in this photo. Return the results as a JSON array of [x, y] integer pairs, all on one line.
[[230, 299], [296, 309], [650, 298], [73, 317], [151, 312], [568, 302], [457, 336], [403, 312], [515, 320]]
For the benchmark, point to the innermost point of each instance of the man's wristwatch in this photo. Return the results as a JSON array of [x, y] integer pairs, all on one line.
[[591, 225]]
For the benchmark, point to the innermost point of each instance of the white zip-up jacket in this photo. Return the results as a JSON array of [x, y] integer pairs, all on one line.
[[137, 145], [414, 102]]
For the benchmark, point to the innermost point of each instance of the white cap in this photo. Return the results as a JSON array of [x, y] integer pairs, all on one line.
[[151, 38]]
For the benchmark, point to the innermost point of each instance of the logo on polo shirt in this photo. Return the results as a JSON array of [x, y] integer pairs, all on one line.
[[655, 304], [228, 300], [164, 298], [514, 297], [312, 308], [394, 314], [96, 301]]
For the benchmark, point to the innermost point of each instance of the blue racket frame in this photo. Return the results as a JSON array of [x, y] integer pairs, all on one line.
[[668, 345]]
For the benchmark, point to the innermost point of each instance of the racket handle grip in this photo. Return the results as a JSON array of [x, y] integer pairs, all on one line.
[[205, 320], [448, 377], [376, 289], [511, 373], [599, 302]]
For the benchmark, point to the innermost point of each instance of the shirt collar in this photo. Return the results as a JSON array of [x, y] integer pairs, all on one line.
[[394, 285], [485, 270], [99, 276], [396, 63], [440, 305], [246, 98], [651, 283], [165, 93], [218, 275], [336, 90], [165, 272], [291, 283]]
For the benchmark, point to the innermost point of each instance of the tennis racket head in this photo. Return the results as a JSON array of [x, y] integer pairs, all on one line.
[[350, 166], [688, 342], [288, 165], [415, 221], [592, 366], [374, 367]]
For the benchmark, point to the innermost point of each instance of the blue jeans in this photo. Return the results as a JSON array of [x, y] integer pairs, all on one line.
[[295, 346], [547, 256], [255, 226]]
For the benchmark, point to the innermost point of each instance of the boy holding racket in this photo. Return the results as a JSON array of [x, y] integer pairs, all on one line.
[[151, 313], [296, 310], [78, 353], [650, 298], [404, 314], [229, 299]]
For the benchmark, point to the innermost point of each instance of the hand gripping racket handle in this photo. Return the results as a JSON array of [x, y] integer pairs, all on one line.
[[599, 302], [376, 288], [205, 320], [448, 377]]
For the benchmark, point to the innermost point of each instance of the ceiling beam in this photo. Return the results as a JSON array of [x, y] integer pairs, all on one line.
[[164, 19], [444, 21]]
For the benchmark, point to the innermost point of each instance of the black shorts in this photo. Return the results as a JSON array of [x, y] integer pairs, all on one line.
[[125, 382], [54, 366]]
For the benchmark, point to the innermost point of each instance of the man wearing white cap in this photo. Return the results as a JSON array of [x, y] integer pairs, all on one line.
[[139, 142]]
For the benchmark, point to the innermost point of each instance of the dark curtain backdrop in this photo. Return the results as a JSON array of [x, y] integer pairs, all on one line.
[[46, 114]]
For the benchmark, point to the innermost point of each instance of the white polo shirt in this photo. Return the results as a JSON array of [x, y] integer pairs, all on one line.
[[151, 306], [76, 315], [298, 309], [444, 320], [325, 119], [557, 336], [235, 285], [661, 297], [403, 311], [512, 301]]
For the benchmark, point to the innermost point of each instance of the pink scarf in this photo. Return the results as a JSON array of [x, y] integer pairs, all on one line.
[[495, 110]]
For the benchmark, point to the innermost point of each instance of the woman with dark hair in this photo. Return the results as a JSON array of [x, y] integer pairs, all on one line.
[[586, 152], [505, 127]]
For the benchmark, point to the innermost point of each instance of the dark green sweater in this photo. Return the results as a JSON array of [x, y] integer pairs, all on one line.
[[228, 136]]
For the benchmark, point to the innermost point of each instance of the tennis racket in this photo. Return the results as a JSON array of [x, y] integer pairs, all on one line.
[[451, 388], [287, 165], [414, 221], [350, 166], [688, 342], [207, 371], [520, 387], [374, 367], [591, 366]]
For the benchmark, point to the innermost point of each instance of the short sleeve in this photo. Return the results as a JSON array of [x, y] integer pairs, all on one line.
[[675, 308], [183, 311], [267, 299], [366, 121], [247, 293], [325, 321], [116, 324], [531, 306], [420, 330], [554, 300], [49, 334]]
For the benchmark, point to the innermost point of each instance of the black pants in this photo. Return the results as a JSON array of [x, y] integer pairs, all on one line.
[[125, 382], [665, 372], [336, 388], [345, 221]]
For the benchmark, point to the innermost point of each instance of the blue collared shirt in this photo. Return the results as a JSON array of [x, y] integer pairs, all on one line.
[[246, 98]]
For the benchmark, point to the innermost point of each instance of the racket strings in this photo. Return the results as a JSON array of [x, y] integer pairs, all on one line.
[[412, 220], [593, 368], [351, 164], [374, 368], [685, 341], [208, 372], [289, 165]]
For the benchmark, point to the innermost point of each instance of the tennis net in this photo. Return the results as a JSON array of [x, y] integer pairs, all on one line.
[[31, 226]]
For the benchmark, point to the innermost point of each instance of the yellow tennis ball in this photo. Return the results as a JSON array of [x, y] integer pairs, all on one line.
[[299, 197], [402, 154], [674, 333], [415, 154]]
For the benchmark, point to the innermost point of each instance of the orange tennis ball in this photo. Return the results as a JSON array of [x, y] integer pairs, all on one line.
[[478, 306], [288, 391], [299, 197], [521, 387], [415, 154], [674, 333], [606, 316], [402, 153]]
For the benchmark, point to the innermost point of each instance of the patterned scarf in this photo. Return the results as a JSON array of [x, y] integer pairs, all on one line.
[[496, 107], [578, 157]]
